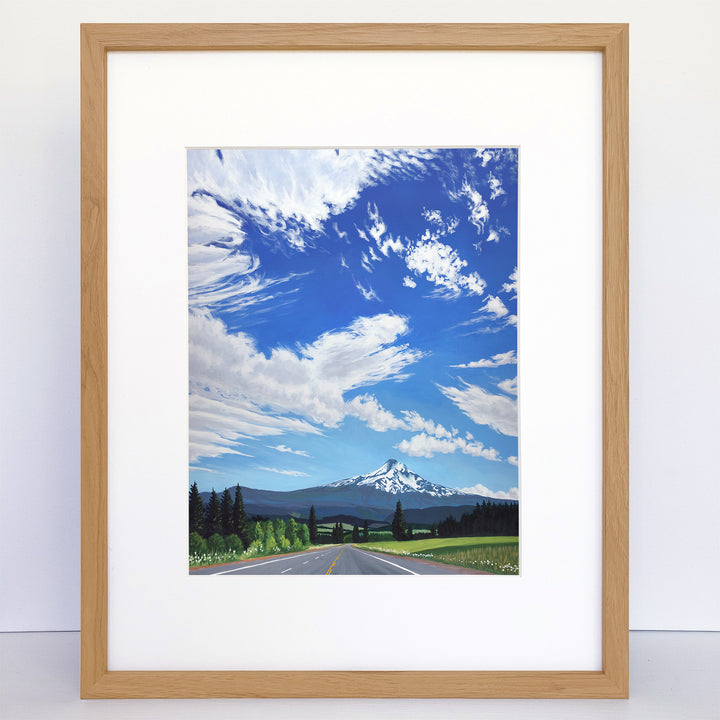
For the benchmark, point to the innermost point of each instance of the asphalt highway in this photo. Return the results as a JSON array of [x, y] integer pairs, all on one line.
[[333, 560]]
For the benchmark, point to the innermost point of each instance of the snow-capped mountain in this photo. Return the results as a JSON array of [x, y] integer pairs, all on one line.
[[372, 496], [394, 477]]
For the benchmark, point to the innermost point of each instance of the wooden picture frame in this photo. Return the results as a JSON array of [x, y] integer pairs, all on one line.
[[612, 680]]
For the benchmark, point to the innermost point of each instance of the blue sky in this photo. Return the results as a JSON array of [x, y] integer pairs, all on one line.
[[347, 306]]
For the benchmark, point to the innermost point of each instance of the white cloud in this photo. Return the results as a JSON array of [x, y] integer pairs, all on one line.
[[506, 358], [433, 216], [414, 421], [367, 408], [494, 306], [377, 231], [435, 438], [497, 411], [479, 489], [409, 282], [292, 473], [512, 320], [442, 266], [442, 226], [367, 292], [365, 262], [496, 188], [292, 193], [343, 263], [286, 449], [509, 386], [340, 233], [512, 286], [513, 460], [479, 211], [238, 391], [485, 155], [495, 234], [424, 445]]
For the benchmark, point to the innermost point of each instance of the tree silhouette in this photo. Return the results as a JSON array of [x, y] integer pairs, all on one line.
[[239, 519], [226, 513], [196, 511], [213, 524], [312, 525], [399, 527]]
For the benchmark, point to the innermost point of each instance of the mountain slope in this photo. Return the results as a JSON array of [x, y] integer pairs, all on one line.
[[395, 478], [371, 496]]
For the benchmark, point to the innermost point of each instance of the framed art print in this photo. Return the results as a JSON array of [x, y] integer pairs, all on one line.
[[354, 361]]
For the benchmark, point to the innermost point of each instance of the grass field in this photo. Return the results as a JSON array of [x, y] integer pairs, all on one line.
[[499, 555]]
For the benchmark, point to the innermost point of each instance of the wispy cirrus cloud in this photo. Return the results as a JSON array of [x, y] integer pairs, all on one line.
[[479, 211], [496, 188], [506, 358], [292, 193], [367, 292], [286, 449], [291, 473], [496, 411], [509, 386], [239, 392]]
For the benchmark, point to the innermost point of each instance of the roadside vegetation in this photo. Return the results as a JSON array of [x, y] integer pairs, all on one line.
[[484, 539], [498, 555]]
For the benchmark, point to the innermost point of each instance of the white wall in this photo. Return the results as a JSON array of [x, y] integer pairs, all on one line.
[[675, 336]]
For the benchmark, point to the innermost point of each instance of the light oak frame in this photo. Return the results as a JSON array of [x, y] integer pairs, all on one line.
[[609, 39]]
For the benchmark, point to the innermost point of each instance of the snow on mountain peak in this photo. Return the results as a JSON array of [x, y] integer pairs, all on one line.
[[394, 477]]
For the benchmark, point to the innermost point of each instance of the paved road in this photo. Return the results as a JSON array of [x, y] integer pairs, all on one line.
[[333, 560]]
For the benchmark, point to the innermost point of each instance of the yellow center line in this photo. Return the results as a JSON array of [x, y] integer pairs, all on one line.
[[335, 560]]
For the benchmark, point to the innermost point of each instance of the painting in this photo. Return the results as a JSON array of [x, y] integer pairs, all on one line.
[[352, 335]]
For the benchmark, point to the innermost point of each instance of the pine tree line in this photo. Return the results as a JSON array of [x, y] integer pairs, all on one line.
[[485, 520], [223, 516]]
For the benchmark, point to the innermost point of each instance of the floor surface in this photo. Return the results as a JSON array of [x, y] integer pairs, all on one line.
[[672, 675]]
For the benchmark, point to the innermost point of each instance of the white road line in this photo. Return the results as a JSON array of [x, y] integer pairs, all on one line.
[[306, 562], [390, 563], [246, 567], [284, 571]]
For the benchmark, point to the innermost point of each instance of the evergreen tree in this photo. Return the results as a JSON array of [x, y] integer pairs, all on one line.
[[226, 513], [312, 525], [197, 511], [213, 523], [366, 532], [399, 528], [433, 530], [356, 534], [409, 533], [239, 519], [337, 535]]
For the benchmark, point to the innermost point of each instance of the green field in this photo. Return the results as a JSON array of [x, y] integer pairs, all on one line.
[[499, 555]]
